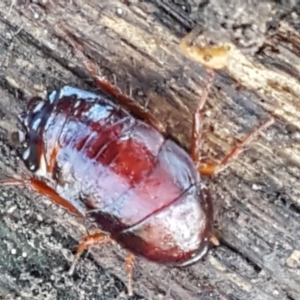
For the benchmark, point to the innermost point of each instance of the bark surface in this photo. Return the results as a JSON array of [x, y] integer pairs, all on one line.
[[257, 198]]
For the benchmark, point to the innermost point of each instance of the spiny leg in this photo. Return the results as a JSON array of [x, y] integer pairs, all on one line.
[[101, 81], [101, 238], [213, 58], [129, 265], [196, 144], [212, 169], [98, 238], [43, 189]]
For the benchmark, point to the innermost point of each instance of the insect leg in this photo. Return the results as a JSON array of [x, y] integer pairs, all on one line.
[[129, 264], [211, 169], [214, 58], [90, 240], [101, 81], [196, 143], [43, 189], [101, 238]]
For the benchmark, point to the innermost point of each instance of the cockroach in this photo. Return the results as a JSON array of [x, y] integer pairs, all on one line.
[[98, 160]]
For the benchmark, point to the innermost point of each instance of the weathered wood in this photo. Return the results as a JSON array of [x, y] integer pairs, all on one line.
[[256, 198]]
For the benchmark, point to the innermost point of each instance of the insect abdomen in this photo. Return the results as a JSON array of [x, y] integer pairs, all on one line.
[[120, 167], [140, 187]]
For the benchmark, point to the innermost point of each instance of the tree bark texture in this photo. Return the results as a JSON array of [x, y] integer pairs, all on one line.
[[136, 43]]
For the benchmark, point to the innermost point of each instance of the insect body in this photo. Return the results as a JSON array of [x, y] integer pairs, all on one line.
[[141, 188], [98, 160]]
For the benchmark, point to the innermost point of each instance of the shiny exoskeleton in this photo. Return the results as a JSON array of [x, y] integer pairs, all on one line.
[[140, 187], [111, 162]]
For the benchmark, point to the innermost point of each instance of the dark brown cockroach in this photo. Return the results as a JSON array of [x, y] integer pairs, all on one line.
[[99, 161]]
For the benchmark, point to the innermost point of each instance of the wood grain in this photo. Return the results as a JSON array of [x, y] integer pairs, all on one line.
[[136, 44]]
